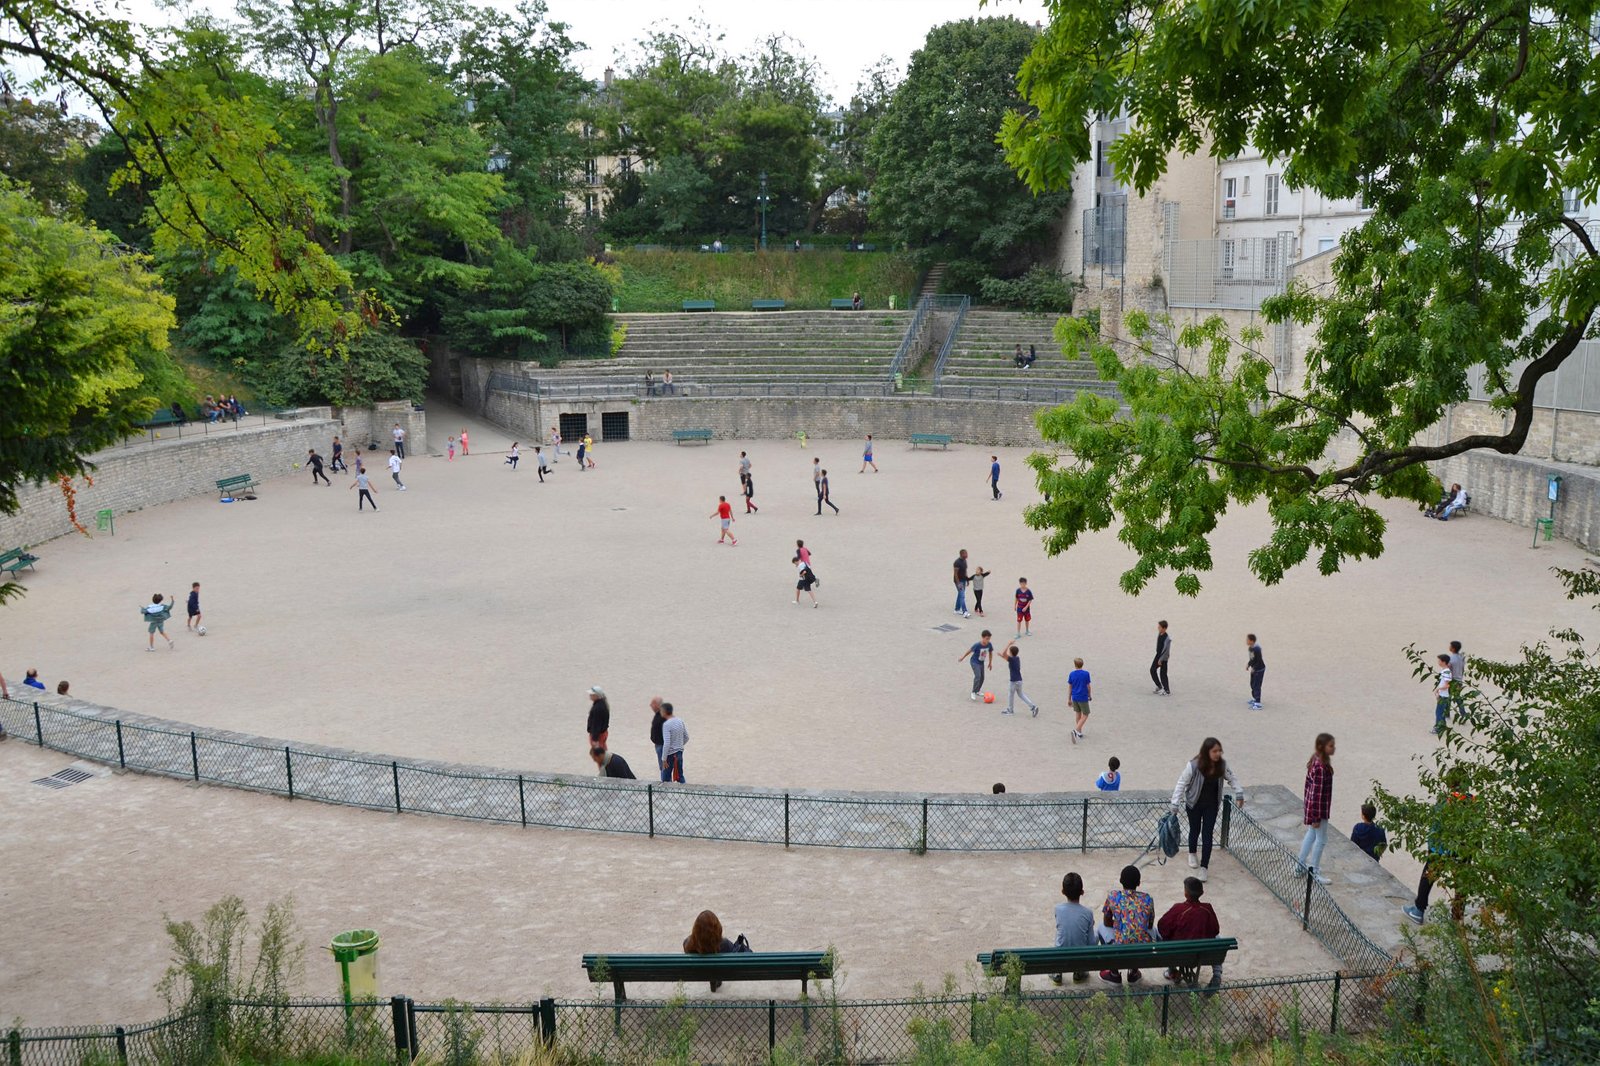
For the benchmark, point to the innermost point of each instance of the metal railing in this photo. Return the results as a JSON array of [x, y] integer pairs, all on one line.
[[820, 1029], [911, 340], [951, 332], [628, 390], [198, 427]]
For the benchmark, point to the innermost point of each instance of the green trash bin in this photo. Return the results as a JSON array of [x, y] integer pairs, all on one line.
[[357, 955]]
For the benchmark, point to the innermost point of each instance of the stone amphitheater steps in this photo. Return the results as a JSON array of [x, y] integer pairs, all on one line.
[[983, 358]]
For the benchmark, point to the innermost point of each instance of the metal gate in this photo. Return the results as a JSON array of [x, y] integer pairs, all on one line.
[[574, 427], [614, 425]]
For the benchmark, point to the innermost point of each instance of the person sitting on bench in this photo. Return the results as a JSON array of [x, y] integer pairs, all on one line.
[[706, 939], [1458, 501], [1191, 920], [177, 413], [1130, 914]]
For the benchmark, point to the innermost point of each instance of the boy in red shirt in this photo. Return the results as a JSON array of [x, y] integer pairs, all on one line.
[[724, 512], [1191, 920]]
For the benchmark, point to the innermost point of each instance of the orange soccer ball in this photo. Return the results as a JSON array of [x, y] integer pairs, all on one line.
[[988, 697]]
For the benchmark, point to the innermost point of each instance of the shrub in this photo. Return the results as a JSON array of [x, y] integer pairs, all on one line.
[[1040, 289]]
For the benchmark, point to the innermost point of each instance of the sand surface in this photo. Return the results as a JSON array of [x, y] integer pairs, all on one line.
[[467, 618]]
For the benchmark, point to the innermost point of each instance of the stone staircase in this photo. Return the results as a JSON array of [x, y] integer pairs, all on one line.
[[982, 363], [931, 283]]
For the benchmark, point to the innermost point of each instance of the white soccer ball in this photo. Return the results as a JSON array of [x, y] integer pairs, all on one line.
[[201, 630]]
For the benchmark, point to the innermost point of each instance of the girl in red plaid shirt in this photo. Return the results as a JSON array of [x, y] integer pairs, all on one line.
[[1319, 802]]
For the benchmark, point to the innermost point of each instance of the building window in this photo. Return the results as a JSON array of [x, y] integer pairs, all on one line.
[[625, 165], [1228, 251], [591, 172], [1230, 196], [1271, 259], [1571, 202], [1274, 183], [1325, 244], [591, 206], [1244, 189]]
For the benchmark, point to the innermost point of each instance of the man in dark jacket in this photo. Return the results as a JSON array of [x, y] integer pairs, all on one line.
[[1158, 665], [655, 726], [611, 764], [1191, 920], [599, 726], [1256, 666]]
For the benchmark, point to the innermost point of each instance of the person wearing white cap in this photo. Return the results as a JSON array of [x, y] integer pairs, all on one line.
[[599, 717]]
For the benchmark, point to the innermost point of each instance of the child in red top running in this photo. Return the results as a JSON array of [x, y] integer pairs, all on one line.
[[1024, 608], [724, 512]]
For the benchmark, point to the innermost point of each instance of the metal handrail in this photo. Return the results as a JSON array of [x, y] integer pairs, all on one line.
[[897, 364], [950, 338]]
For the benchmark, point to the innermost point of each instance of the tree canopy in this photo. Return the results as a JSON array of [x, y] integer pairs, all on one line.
[[1468, 129], [942, 181]]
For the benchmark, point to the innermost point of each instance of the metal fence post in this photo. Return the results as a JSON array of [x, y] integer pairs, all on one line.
[[650, 804], [522, 802], [194, 753], [772, 1024], [122, 1044], [395, 768], [1305, 915], [14, 1037], [1333, 1025], [1084, 830], [547, 1021], [122, 758], [972, 1018], [1166, 999], [922, 846], [786, 819], [38, 734], [288, 769], [1227, 820]]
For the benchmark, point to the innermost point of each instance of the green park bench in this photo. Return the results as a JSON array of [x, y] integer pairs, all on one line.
[[941, 439], [161, 420], [799, 966], [232, 486], [842, 303], [767, 305], [699, 305], [681, 435], [1184, 956], [15, 559]]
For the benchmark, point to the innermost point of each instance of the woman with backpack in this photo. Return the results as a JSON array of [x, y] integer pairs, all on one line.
[[1319, 803], [1199, 792], [807, 579]]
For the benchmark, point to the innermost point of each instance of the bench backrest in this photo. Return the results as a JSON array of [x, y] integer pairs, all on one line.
[[749, 965], [237, 479], [1115, 956], [13, 554]]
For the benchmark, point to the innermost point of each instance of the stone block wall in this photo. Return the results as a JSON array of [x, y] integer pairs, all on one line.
[[146, 473], [363, 425]]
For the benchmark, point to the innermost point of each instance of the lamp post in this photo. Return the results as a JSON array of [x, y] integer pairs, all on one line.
[[762, 200]]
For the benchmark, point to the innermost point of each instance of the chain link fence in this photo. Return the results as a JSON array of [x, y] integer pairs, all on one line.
[[1065, 1025]]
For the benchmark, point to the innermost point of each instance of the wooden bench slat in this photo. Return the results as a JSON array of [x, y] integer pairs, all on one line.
[[15, 560], [238, 481], [845, 303], [1170, 953]]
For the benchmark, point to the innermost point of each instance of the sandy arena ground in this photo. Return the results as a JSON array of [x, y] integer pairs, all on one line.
[[485, 913], [467, 618]]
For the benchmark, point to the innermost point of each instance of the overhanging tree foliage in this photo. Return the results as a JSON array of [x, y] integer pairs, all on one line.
[[1461, 125]]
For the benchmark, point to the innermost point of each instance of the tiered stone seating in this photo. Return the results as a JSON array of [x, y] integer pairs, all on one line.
[[744, 351], [981, 363]]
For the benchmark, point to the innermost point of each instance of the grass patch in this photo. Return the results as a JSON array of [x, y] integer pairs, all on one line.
[[661, 281]]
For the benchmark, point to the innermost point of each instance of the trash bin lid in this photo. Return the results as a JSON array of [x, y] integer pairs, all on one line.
[[352, 945]]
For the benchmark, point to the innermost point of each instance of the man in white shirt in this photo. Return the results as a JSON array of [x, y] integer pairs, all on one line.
[[1458, 501], [399, 441], [394, 468], [674, 735], [1441, 695]]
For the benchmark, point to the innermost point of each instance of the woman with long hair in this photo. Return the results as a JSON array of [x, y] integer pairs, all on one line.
[[706, 939], [1319, 802], [1199, 791]]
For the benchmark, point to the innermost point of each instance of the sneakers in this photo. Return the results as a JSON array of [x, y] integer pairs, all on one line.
[[1410, 911], [1111, 975], [1008, 711], [1194, 861], [1134, 976], [1074, 736], [1203, 874], [1035, 708], [966, 614], [1157, 692], [974, 697], [1320, 879], [1254, 705], [1055, 979]]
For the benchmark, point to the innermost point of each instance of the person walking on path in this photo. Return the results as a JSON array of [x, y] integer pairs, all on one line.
[[193, 607], [674, 735], [1024, 606], [1441, 695], [399, 441], [541, 462], [1080, 689], [394, 468], [1074, 922], [450, 450], [806, 581], [156, 613], [1158, 665], [994, 475], [1013, 657], [361, 468], [982, 655], [656, 720], [816, 480], [314, 461], [824, 496], [1458, 675], [464, 451], [978, 574], [555, 444], [583, 447], [1199, 792], [364, 483], [514, 454], [337, 463], [748, 486], [959, 570], [599, 724], [866, 458], [803, 552], [1256, 666], [1319, 804], [724, 514]]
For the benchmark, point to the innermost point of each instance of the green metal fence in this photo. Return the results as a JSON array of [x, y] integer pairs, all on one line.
[[822, 1029]]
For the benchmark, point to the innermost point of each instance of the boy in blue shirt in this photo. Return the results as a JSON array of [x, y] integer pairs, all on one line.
[[1024, 609], [1110, 780], [1078, 682], [1368, 835]]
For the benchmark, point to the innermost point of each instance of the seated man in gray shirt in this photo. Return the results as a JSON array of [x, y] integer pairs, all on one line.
[[1074, 922]]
